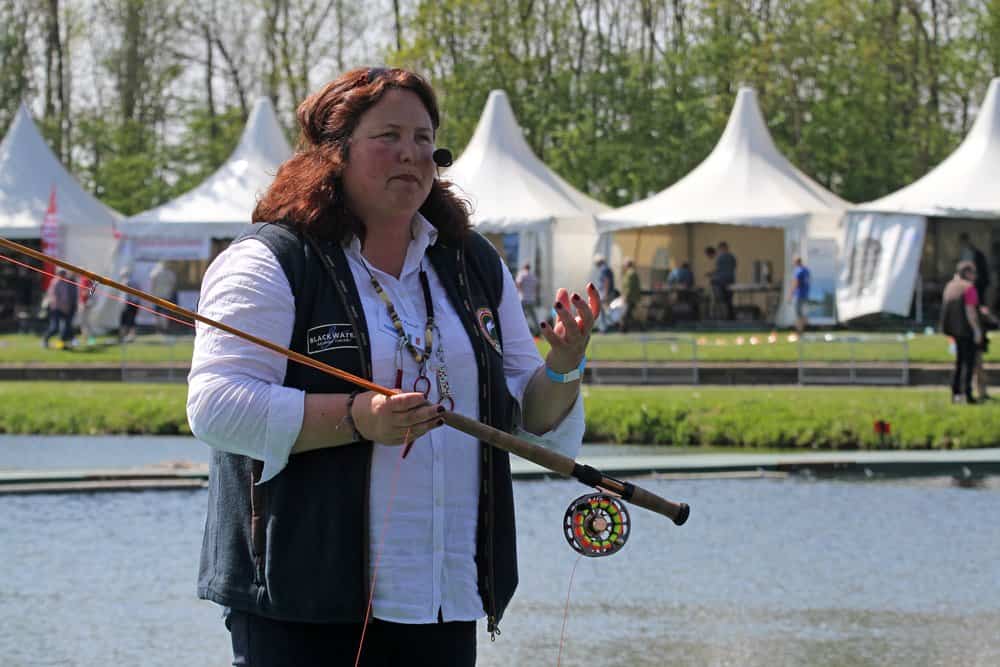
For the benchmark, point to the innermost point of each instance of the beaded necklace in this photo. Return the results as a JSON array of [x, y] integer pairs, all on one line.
[[421, 356]]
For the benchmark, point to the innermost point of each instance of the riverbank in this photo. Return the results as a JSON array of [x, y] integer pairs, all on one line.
[[737, 417]]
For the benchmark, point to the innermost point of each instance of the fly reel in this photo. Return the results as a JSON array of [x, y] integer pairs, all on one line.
[[596, 525]]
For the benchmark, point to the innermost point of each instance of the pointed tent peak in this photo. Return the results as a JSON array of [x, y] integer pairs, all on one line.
[[29, 171], [24, 110], [498, 129], [986, 128], [746, 129], [263, 135], [224, 202], [22, 126], [964, 184], [744, 180], [505, 178]]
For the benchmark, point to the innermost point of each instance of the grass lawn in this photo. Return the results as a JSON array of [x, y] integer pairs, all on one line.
[[770, 347], [728, 346], [797, 417], [151, 348], [723, 417]]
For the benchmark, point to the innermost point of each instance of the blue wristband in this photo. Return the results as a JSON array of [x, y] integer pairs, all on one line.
[[566, 378]]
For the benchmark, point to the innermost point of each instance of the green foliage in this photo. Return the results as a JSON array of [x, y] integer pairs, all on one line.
[[621, 98], [147, 349], [787, 417], [864, 96], [92, 408], [743, 417], [15, 59], [131, 169]]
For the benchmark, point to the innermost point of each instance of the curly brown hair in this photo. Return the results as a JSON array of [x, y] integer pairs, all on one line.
[[308, 192]]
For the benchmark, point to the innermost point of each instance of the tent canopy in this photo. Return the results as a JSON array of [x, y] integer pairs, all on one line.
[[509, 187], [29, 171], [884, 239], [744, 181], [224, 202], [512, 191], [966, 184]]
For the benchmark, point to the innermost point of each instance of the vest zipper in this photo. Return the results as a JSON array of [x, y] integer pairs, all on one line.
[[492, 624]]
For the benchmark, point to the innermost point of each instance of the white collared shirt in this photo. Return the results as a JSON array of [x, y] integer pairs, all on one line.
[[236, 403]]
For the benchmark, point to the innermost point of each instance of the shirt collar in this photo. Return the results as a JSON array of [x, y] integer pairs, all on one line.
[[422, 236]]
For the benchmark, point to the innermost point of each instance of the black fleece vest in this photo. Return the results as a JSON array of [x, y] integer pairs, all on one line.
[[295, 548]]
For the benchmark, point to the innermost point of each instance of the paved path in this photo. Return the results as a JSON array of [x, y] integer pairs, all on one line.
[[961, 464]]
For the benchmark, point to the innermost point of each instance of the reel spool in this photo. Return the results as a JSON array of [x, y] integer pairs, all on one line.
[[596, 525]]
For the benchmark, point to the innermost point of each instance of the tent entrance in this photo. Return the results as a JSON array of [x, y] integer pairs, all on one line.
[[760, 271], [942, 250], [21, 292]]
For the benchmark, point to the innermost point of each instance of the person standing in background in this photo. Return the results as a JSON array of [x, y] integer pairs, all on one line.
[[799, 294], [633, 292], [85, 308], [723, 278], [960, 320], [973, 254], [61, 297], [988, 321], [162, 283], [681, 277], [527, 290], [126, 326], [605, 282]]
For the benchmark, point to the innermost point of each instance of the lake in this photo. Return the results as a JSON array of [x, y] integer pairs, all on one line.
[[766, 572]]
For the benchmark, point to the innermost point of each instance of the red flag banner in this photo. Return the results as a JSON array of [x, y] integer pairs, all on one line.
[[50, 236]]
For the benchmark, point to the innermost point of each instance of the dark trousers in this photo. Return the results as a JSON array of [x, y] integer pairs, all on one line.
[[723, 297], [60, 323], [264, 642], [965, 361]]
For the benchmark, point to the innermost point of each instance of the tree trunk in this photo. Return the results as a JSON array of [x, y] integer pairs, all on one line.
[[213, 126], [130, 80], [399, 25], [54, 75]]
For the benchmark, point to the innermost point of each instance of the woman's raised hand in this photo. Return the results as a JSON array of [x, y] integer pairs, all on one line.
[[388, 419], [570, 332]]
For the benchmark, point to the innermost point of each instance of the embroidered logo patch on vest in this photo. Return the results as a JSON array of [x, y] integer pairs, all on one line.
[[328, 337], [489, 328]]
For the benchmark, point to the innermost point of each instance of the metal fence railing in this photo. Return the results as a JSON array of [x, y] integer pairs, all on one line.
[[854, 359], [653, 358]]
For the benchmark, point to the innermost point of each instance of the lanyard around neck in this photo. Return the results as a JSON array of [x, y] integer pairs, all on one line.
[[419, 355]]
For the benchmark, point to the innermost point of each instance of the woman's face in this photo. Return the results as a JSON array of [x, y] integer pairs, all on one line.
[[390, 168]]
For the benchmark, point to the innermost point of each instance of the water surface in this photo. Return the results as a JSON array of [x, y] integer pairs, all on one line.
[[766, 572]]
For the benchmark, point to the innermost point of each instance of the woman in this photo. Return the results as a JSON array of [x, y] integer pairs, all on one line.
[[373, 270]]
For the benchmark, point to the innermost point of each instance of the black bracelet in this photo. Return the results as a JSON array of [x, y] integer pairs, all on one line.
[[349, 419]]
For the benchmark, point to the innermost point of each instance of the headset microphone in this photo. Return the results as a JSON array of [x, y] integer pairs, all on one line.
[[442, 157]]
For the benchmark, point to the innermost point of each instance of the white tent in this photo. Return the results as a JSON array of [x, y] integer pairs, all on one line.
[[218, 208], [29, 172], [884, 238], [745, 181], [512, 191], [222, 204]]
